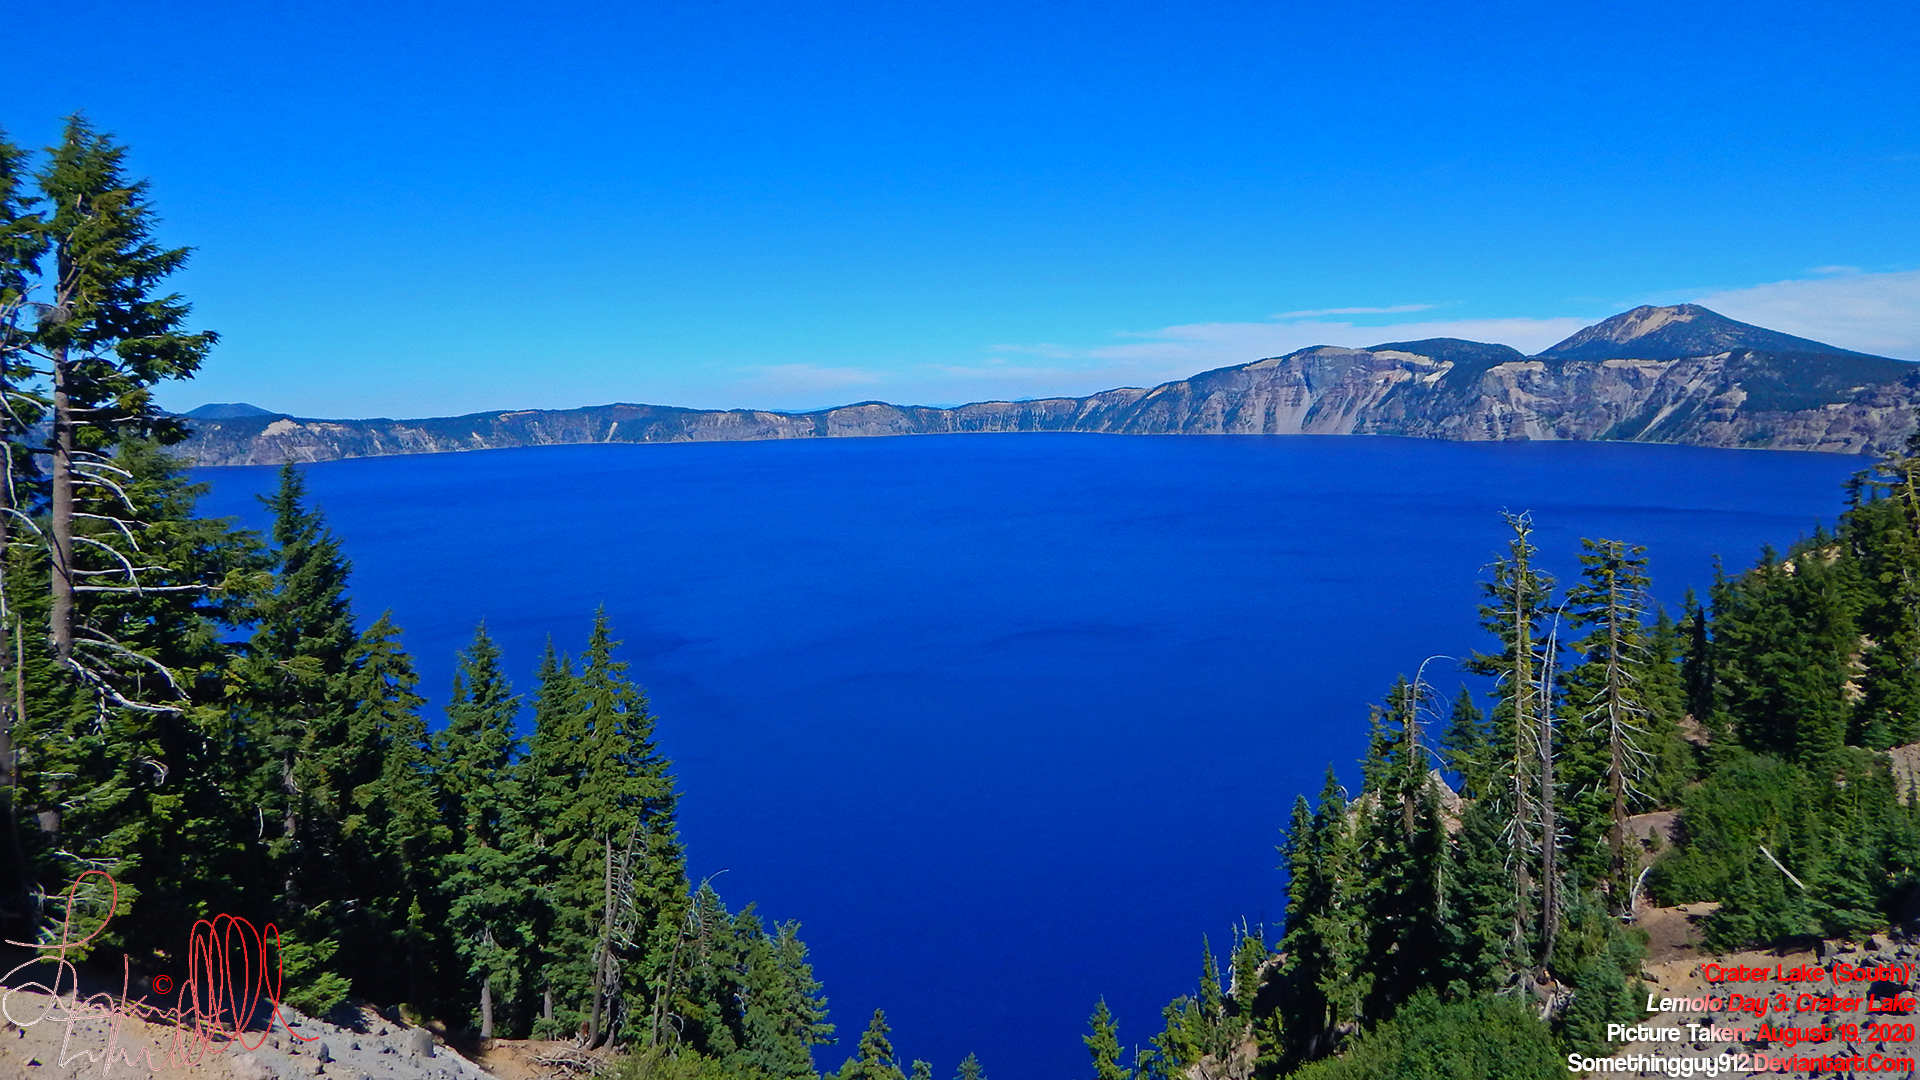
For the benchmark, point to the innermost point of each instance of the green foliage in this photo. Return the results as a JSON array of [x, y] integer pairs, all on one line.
[[1464, 1040], [1605, 961], [1467, 747], [1749, 801], [1608, 737], [875, 1059], [1480, 917], [312, 987], [663, 1063], [494, 912], [105, 319], [1103, 1042], [605, 797]]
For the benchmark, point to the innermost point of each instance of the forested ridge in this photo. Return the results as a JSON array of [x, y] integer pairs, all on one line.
[[198, 710]]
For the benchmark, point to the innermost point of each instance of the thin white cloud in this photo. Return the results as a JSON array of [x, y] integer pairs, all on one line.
[[1876, 313], [1397, 310]]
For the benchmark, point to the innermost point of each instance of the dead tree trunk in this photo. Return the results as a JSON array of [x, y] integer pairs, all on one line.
[[1524, 736], [1549, 837], [1617, 763]]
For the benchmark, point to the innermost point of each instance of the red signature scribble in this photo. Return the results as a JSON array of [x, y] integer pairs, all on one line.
[[216, 1004]]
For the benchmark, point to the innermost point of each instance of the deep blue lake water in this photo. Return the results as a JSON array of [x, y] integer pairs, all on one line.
[[1009, 722]]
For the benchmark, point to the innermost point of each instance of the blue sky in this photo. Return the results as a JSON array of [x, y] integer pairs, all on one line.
[[440, 208]]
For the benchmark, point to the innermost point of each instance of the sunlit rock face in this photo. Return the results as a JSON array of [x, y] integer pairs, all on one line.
[[1678, 374]]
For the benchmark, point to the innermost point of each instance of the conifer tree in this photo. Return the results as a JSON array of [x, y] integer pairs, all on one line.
[[784, 1015], [144, 791], [704, 988], [1523, 729], [1103, 1042], [376, 808], [1784, 639], [1248, 972], [547, 780], [1324, 971], [606, 798], [22, 244], [490, 870], [1882, 534], [107, 338], [1467, 747], [302, 650], [1663, 689], [875, 1059], [970, 1070], [291, 696], [1481, 943], [1609, 711]]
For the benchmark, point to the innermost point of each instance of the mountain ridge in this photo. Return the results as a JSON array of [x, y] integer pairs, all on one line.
[[1755, 388]]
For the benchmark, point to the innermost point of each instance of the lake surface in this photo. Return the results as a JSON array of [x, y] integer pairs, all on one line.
[[1009, 722]]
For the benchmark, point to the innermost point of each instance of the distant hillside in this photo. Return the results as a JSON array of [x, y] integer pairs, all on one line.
[[1654, 374], [226, 410]]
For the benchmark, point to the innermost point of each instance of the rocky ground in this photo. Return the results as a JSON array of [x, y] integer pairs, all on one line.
[[353, 1045], [1674, 970]]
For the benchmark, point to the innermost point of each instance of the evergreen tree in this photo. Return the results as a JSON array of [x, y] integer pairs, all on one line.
[[374, 790], [1468, 748], [1324, 973], [292, 697], [875, 1059], [1402, 851], [1479, 924], [619, 883], [1882, 534], [1488, 1036], [1610, 737], [1248, 971], [547, 780], [970, 1070], [493, 908], [1696, 666], [294, 672], [23, 242], [1673, 762], [1523, 730], [1783, 642], [704, 990], [141, 792], [784, 1015], [107, 338], [1104, 1044]]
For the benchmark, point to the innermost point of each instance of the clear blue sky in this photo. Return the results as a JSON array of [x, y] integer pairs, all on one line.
[[429, 209]]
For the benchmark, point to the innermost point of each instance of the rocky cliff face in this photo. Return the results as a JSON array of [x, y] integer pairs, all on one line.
[[1676, 375]]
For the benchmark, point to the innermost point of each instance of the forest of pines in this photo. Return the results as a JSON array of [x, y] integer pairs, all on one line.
[[196, 710]]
